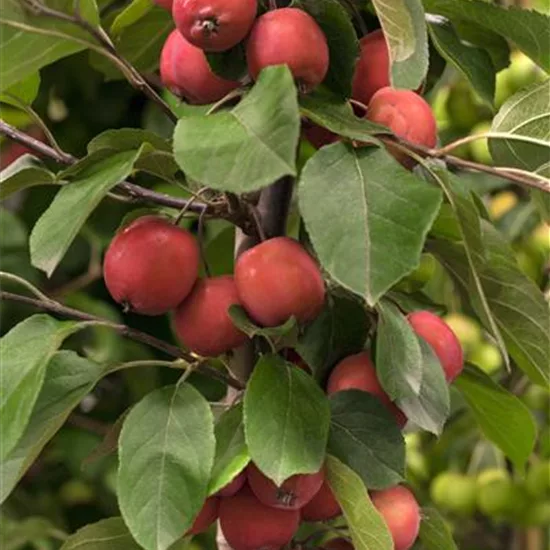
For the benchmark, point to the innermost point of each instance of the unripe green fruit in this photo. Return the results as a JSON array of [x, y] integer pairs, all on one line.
[[454, 492], [496, 498], [501, 204], [417, 464], [522, 71], [539, 240], [464, 108], [537, 481], [480, 147], [487, 357], [76, 492], [420, 276], [536, 397], [528, 265], [467, 330], [490, 475], [503, 90]]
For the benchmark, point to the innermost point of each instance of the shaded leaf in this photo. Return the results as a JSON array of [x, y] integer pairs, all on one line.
[[365, 436], [23, 173], [230, 64], [23, 92], [386, 208], [131, 14], [107, 534], [434, 531], [248, 147], [286, 419]]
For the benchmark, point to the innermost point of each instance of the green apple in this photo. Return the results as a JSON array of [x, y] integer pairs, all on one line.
[[487, 357], [467, 330], [522, 71], [537, 480], [463, 107], [536, 397], [502, 203], [495, 493], [454, 492], [537, 514], [420, 276], [76, 491], [539, 240], [479, 148], [439, 107], [529, 265]]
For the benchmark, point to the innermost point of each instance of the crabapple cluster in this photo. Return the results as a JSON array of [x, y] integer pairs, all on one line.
[[204, 26]]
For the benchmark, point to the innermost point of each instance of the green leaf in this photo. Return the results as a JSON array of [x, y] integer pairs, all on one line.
[[517, 305], [248, 147], [231, 451], [24, 354], [230, 64], [529, 30], [23, 92], [31, 42], [502, 417], [23, 173], [166, 451], [284, 335], [365, 436], [434, 531], [338, 331], [466, 213], [140, 43], [409, 371], [286, 420], [18, 534], [68, 379], [131, 14], [342, 42], [367, 528], [107, 534], [404, 25], [60, 223], [525, 118], [473, 62], [338, 117], [127, 139], [386, 208]]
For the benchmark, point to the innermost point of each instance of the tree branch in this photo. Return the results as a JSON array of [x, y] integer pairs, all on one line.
[[174, 351], [239, 215]]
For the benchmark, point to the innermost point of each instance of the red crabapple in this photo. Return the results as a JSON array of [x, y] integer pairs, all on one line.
[[372, 70], [151, 265], [206, 517], [214, 25], [293, 494], [202, 320], [166, 4], [184, 70], [247, 524], [357, 372], [277, 279], [401, 513], [289, 36], [233, 487], [442, 340], [323, 506], [317, 135]]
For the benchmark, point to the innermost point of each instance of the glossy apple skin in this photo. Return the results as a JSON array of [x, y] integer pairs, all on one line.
[[442, 340], [233, 487], [166, 4], [357, 372], [293, 494], [323, 506], [214, 25], [206, 517], [372, 70], [277, 279], [184, 70], [247, 524], [289, 36], [202, 320], [409, 117], [401, 513], [151, 266]]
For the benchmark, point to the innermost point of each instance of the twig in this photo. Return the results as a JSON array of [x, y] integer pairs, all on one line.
[[124, 330], [239, 215]]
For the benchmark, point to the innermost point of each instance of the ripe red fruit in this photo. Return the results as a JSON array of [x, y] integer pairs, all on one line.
[[323, 506], [318, 136], [206, 517], [151, 265], [184, 70], [293, 357], [401, 513], [11, 151], [247, 524], [357, 372], [289, 36], [233, 487], [293, 494], [338, 544], [442, 339], [277, 279], [202, 322], [166, 4], [372, 70], [407, 115], [214, 25]]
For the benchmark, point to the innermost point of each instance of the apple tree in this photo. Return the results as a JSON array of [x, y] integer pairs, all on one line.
[[275, 274]]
